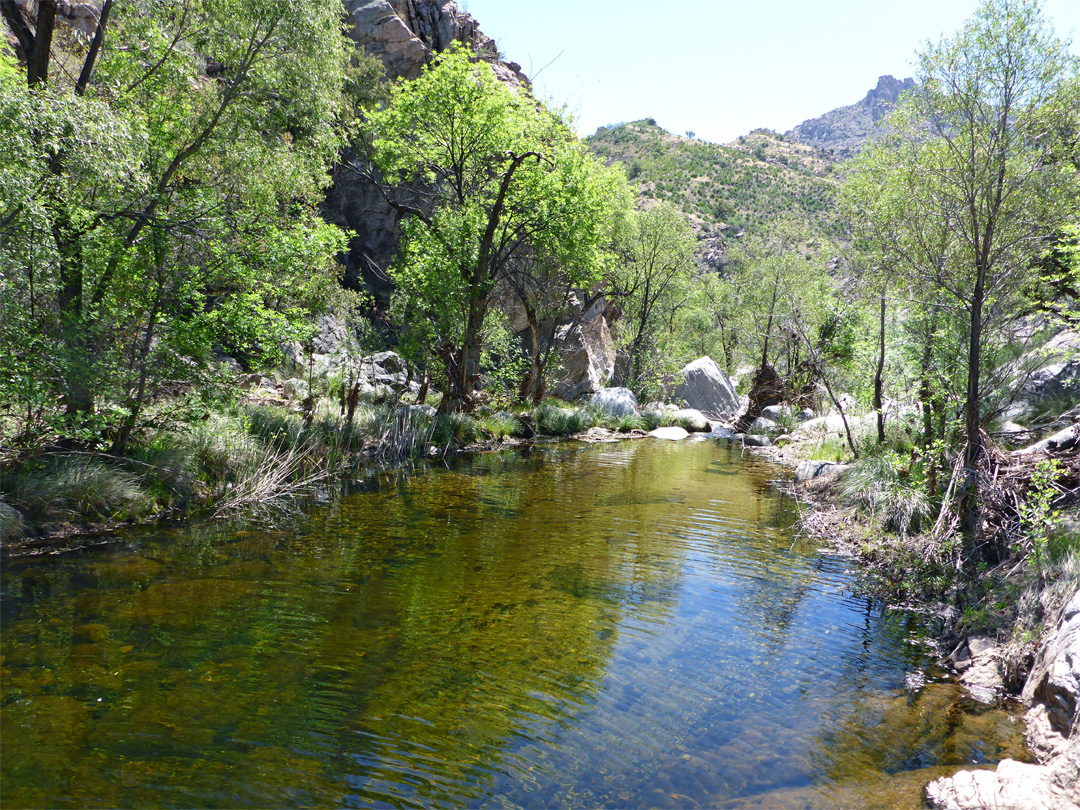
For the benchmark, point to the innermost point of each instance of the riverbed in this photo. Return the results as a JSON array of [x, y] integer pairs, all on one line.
[[622, 625]]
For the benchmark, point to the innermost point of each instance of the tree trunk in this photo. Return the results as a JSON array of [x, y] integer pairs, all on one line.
[[532, 385], [879, 375], [969, 503]]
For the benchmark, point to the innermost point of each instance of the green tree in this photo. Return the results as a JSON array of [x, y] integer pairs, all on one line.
[[164, 200], [483, 175], [657, 250], [976, 178], [777, 283]]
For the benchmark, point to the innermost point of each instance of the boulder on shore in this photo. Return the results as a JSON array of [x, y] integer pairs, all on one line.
[[586, 356], [706, 387], [693, 420], [809, 470], [616, 401]]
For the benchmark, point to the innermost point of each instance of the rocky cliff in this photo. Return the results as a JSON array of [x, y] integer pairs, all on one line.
[[404, 35], [845, 129]]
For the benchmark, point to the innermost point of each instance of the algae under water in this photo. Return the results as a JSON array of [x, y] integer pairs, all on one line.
[[617, 625]]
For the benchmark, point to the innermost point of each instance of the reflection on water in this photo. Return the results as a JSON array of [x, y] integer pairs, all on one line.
[[622, 625]]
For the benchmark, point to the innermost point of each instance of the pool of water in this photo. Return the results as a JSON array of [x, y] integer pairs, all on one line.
[[617, 625]]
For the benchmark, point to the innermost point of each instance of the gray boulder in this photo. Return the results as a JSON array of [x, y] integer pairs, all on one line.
[[296, 388], [762, 425], [693, 420], [1048, 375], [833, 423], [809, 470], [757, 441], [422, 410], [586, 357], [616, 401], [706, 387], [776, 413], [385, 363]]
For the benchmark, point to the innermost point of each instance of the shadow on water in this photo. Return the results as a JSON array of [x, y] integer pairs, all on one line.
[[616, 625]]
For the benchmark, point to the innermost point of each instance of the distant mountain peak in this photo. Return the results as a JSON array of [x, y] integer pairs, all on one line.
[[845, 129]]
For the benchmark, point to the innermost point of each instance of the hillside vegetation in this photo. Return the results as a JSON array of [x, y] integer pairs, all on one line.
[[755, 183]]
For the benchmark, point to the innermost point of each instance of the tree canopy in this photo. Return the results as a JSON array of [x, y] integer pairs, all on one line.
[[165, 201], [484, 175], [975, 180]]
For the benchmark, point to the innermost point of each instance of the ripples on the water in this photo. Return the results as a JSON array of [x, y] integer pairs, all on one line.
[[623, 625]]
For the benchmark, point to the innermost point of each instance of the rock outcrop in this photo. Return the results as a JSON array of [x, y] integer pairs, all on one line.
[[1053, 723], [1047, 376], [404, 35], [705, 387], [586, 358], [845, 129]]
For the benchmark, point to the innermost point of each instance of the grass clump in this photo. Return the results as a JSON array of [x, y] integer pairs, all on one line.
[[501, 425], [553, 420], [77, 487], [875, 486], [456, 428], [630, 422]]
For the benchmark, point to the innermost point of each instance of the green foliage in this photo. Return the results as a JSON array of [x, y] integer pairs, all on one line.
[[630, 422], [170, 208], [457, 428], [501, 425], [657, 251], [1037, 513], [504, 178], [738, 184]]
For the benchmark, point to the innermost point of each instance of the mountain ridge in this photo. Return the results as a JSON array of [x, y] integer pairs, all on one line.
[[844, 130]]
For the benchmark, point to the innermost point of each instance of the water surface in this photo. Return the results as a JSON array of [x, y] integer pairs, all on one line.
[[619, 625]]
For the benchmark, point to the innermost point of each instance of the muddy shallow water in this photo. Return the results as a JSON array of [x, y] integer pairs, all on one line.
[[618, 625]]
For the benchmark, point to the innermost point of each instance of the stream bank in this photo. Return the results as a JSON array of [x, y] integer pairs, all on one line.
[[1001, 661]]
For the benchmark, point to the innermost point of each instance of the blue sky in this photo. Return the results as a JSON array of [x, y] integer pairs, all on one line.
[[720, 67]]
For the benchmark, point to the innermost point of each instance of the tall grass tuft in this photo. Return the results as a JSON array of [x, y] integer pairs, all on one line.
[[268, 478], [501, 425], [630, 422], [403, 433], [875, 486], [456, 428], [73, 487]]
